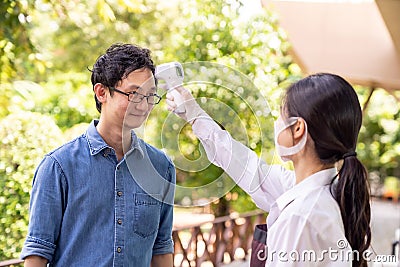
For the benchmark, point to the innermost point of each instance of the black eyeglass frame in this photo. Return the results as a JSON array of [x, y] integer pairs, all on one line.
[[131, 95]]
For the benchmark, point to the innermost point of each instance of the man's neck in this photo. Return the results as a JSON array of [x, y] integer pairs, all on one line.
[[115, 137]]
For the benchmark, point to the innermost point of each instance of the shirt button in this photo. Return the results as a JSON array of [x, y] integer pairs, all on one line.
[[119, 249], [119, 221], [119, 193], [117, 167]]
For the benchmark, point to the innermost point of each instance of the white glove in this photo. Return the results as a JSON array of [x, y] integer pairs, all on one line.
[[192, 110]]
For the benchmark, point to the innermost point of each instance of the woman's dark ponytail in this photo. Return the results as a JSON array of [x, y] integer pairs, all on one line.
[[352, 194]]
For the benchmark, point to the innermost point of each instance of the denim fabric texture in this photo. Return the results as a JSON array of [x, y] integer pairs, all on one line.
[[88, 209]]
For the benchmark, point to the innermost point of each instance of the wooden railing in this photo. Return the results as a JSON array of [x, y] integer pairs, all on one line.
[[216, 240], [11, 263]]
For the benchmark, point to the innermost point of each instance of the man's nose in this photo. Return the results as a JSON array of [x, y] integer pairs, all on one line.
[[143, 105]]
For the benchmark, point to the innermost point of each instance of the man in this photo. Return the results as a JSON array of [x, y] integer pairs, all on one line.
[[106, 198]]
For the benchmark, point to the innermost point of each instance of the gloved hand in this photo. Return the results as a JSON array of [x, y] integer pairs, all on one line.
[[192, 110]]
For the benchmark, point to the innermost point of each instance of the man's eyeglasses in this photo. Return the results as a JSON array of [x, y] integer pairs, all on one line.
[[135, 97]]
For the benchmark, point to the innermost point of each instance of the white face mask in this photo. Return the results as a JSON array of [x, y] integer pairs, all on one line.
[[280, 125]]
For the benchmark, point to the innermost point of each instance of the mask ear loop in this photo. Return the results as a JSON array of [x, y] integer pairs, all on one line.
[[280, 125], [287, 151]]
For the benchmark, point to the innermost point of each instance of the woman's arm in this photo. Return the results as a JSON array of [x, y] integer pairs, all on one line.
[[264, 183]]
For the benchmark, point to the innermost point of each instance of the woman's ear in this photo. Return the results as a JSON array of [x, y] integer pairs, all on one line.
[[101, 92], [299, 128]]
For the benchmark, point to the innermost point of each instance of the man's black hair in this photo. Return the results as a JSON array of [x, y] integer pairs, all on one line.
[[117, 63]]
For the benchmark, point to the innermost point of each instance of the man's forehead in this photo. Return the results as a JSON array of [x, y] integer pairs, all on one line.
[[141, 87], [140, 78], [140, 72]]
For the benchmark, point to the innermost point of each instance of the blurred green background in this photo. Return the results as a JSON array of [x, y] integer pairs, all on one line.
[[46, 97]]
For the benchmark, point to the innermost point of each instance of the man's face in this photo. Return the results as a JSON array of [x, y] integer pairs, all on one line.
[[127, 113]]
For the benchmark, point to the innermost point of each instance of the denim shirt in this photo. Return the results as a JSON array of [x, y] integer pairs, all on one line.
[[87, 209]]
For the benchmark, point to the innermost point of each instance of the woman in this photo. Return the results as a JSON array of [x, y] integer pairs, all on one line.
[[318, 215]]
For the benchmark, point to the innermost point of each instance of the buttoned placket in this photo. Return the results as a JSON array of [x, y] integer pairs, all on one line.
[[119, 215]]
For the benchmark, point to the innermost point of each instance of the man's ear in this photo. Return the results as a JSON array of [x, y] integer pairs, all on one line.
[[101, 92], [299, 128]]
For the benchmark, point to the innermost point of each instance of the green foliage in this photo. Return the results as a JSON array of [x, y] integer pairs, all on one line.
[[5, 99], [77, 33], [18, 56], [379, 140], [66, 97], [75, 131], [12, 32], [25, 137]]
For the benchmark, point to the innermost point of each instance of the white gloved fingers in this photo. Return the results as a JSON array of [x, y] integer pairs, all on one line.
[[192, 109], [169, 96], [185, 93], [171, 104]]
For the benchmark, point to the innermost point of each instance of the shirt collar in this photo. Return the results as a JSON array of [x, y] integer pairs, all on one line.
[[319, 179], [95, 141], [97, 144], [135, 144]]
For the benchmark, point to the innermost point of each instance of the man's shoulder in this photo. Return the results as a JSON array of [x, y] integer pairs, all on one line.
[[64, 157], [69, 148]]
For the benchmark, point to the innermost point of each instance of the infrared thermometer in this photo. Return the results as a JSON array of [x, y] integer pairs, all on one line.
[[172, 73]]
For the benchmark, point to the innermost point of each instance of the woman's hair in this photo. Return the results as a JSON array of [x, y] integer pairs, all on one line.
[[117, 63], [333, 114]]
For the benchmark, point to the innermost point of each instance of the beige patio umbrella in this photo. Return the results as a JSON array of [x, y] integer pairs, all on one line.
[[359, 40]]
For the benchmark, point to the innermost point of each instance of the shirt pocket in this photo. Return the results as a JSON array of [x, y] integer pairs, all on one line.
[[146, 214]]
